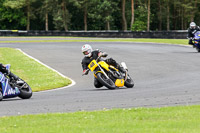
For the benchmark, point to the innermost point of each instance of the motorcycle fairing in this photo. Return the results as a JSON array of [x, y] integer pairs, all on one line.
[[197, 36], [7, 90], [93, 64], [104, 65], [119, 82]]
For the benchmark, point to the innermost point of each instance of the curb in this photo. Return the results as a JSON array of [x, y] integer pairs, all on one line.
[[72, 84]]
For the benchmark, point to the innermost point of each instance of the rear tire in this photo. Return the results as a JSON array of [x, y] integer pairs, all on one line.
[[129, 83], [106, 82]]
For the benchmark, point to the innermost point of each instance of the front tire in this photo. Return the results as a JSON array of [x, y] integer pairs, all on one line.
[[25, 91], [129, 83], [1, 96], [106, 82], [198, 50]]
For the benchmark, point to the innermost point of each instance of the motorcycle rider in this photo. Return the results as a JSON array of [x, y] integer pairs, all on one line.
[[94, 54], [191, 31], [7, 72]]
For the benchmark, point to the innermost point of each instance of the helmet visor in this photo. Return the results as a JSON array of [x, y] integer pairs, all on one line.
[[193, 27], [87, 52]]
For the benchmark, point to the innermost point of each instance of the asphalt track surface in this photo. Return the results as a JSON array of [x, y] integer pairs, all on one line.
[[164, 75]]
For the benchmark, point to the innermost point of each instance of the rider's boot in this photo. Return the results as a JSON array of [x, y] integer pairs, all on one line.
[[193, 45]]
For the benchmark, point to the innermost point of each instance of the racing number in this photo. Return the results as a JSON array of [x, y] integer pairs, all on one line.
[[92, 64]]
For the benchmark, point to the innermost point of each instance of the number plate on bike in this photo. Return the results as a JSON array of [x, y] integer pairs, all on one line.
[[92, 65]]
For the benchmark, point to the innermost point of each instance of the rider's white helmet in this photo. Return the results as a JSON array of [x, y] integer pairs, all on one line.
[[87, 50], [192, 25]]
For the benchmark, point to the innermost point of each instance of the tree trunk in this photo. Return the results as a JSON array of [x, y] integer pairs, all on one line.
[[132, 13], [85, 18], [174, 16], [124, 23], [107, 25], [160, 15], [168, 28], [148, 19], [64, 15], [28, 16], [46, 22]]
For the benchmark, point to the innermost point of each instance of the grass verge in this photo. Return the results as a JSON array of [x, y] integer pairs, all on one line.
[[35, 74], [81, 39], [137, 120]]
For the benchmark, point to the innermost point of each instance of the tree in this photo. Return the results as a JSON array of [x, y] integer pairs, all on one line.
[[98, 14], [132, 13], [105, 10], [11, 18], [61, 16], [19, 4], [168, 14], [83, 5], [45, 9], [160, 15], [148, 18], [124, 23], [141, 15]]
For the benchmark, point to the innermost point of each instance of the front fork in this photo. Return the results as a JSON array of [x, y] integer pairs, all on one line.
[[101, 69]]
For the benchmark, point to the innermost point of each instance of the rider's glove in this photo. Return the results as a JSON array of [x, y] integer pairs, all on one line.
[[101, 54], [85, 72], [190, 38]]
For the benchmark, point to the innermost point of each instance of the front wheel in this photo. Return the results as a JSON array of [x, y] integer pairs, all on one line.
[[129, 83], [106, 82], [1, 95], [25, 90], [198, 49]]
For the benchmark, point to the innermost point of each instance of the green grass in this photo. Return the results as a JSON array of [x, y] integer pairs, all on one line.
[[137, 120], [73, 39], [36, 75]]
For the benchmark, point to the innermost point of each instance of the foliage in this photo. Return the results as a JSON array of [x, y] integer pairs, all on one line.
[[11, 18], [140, 23], [100, 14], [139, 26]]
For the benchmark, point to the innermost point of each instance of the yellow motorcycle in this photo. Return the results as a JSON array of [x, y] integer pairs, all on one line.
[[109, 76]]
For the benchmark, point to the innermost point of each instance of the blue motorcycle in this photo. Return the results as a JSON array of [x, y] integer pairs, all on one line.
[[196, 40], [10, 88]]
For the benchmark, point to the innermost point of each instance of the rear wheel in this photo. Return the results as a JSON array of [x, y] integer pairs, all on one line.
[[129, 83], [106, 82]]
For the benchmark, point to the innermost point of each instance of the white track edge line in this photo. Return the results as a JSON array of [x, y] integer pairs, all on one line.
[[72, 84]]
